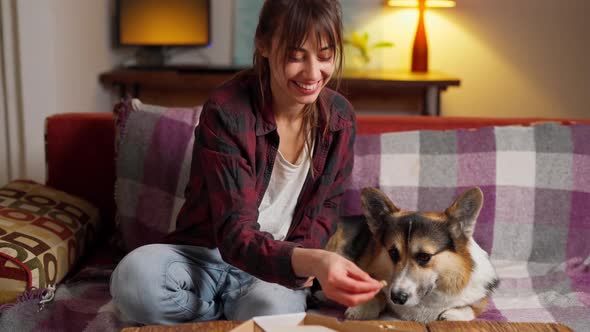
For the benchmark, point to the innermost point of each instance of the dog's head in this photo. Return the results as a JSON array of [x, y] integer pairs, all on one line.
[[422, 251]]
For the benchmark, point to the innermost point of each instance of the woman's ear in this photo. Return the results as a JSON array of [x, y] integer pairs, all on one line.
[[262, 49]]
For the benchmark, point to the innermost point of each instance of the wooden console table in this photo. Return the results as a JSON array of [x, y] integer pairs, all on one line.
[[370, 91], [472, 326]]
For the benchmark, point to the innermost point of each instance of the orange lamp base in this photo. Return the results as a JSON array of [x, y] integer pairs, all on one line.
[[420, 48]]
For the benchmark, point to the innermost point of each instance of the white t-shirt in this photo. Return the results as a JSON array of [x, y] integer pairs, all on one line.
[[276, 210]]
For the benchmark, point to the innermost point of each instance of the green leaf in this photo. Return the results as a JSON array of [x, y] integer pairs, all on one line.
[[383, 45]]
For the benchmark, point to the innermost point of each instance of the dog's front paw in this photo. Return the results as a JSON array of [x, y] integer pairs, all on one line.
[[360, 313], [462, 313], [319, 299], [368, 310]]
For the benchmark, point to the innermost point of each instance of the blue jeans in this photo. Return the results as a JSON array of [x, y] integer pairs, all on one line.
[[171, 284]]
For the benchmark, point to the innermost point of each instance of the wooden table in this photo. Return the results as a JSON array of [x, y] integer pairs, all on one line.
[[383, 91], [224, 326], [370, 91]]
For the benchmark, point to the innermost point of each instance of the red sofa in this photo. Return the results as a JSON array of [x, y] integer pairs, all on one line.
[[81, 161]]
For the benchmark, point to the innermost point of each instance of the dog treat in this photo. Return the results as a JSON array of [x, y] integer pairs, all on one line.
[[301, 328], [384, 283], [386, 326]]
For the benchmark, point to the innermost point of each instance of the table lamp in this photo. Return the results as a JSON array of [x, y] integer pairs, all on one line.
[[420, 48]]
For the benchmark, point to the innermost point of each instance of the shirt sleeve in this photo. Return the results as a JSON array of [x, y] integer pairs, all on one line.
[[226, 151], [324, 224]]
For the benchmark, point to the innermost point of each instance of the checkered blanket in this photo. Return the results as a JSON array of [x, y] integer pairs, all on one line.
[[154, 147], [82, 303], [535, 222]]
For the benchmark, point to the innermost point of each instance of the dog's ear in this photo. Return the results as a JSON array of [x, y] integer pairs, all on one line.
[[376, 205], [464, 211]]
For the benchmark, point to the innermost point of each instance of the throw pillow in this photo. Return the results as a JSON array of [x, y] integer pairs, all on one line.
[[535, 181], [43, 232], [154, 148]]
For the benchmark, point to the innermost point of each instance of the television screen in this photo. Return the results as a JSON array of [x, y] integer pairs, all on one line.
[[163, 23]]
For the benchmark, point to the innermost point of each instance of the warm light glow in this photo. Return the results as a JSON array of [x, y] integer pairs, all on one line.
[[156, 22], [429, 3], [399, 26]]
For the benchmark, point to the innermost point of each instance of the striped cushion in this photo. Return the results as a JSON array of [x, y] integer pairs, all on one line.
[[154, 148], [43, 232]]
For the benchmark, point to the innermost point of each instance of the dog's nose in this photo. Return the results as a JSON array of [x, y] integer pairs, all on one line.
[[400, 297]]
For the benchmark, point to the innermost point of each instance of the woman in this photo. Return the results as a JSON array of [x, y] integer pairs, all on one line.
[[272, 150]]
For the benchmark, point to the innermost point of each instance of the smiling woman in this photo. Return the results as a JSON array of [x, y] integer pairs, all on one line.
[[296, 55], [272, 151]]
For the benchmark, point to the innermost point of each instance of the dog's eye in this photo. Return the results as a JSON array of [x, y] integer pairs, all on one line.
[[394, 254], [422, 258]]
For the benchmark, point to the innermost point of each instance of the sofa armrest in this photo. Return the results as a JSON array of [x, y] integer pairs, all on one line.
[[79, 150]]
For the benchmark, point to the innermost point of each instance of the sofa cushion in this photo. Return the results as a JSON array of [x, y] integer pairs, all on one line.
[[153, 152], [43, 232]]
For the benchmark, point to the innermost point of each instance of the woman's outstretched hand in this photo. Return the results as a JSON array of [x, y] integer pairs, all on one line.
[[342, 281]]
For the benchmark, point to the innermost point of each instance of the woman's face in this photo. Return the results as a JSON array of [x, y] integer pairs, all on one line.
[[300, 79]]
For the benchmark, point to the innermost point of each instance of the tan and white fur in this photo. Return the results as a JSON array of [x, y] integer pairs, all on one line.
[[433, 268]]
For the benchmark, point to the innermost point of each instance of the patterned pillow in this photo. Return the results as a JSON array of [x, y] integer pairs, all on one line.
[[154, 148], [43, 232], [535, 180]]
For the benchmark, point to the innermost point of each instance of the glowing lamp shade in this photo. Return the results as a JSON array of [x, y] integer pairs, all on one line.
[[414, 3], [420, 47], [163, 23]]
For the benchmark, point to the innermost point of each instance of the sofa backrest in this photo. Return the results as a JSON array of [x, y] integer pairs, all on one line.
[[80, 148], [534, 181]]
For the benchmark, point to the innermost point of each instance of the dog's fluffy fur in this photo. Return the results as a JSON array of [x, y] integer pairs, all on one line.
[[433, 268]]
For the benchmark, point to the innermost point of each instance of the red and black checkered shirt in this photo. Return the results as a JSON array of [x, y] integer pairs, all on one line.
[[236, 143]]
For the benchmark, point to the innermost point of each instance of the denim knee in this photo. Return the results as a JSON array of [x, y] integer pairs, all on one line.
[[145, 291]]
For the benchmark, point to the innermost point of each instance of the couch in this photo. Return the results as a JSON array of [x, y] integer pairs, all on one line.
[[543, 263]]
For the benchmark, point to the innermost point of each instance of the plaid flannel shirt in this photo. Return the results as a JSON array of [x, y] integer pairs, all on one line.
[[236, 143]]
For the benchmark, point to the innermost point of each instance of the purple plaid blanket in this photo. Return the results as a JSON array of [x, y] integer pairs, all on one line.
[[83, 303], [535, 222], [154, 149]]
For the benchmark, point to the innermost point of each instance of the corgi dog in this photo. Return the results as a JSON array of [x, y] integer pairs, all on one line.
[[432, 267]]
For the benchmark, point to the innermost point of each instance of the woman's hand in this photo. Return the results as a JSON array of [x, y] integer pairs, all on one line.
[[342, 281]]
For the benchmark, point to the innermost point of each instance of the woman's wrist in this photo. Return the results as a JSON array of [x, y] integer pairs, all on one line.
[[306, 261]]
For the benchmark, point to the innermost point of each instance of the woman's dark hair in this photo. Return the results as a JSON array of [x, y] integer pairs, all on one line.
[[292, 21]]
